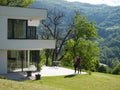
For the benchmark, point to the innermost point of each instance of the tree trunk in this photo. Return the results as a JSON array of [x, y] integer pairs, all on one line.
[[46, 63]]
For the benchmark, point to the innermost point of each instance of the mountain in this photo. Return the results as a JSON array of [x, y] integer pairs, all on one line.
[[107, 20], [99, 13]]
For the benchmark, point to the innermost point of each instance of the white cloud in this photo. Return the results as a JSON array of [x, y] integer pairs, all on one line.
[[108, 2]]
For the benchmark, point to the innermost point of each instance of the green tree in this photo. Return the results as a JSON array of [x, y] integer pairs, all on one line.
[[55, 28], [83, 43], [83, 29], [16, 3], [86, 49], [116, 70], [102, 68]]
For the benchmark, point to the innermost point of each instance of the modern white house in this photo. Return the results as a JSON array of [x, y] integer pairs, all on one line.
[[19, 45]]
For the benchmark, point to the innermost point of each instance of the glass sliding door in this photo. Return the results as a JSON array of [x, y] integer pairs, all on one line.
[[34, 57], [20, 60], [17, 60], [17, 29], [20, 29]]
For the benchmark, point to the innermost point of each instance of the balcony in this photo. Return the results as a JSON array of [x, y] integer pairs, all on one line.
[[27, 44], [23, 13]]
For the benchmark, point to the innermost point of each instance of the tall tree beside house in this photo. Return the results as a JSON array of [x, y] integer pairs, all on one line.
[[82, 33], [16, 3], [54, 28], [82, 44]]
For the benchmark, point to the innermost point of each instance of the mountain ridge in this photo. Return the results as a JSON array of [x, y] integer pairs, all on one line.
[[93, 12]]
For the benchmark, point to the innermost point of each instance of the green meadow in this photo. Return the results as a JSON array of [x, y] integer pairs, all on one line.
[[95, 81]]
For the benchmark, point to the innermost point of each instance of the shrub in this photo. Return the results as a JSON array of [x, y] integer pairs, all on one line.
[[39, 67], [102, 68], [116, 70]]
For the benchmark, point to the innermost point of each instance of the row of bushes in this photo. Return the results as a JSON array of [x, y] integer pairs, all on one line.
[[105, 69]]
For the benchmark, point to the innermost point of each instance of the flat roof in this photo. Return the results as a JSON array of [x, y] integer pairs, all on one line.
[[23, 13]]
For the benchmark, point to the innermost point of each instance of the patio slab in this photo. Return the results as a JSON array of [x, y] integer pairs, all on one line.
[[46, 71]]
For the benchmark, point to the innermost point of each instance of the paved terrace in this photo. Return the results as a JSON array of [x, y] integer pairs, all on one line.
[[46, 71]]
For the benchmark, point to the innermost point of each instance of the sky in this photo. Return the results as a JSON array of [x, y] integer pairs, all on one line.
[[108, 2]]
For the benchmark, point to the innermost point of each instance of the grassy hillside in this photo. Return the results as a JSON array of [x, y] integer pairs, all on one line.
[[14, 85], [96, 81]]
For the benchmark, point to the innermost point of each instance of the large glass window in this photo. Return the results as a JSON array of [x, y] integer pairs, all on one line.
[[17, 29], [20, 60], [31, 32], [17, 60]]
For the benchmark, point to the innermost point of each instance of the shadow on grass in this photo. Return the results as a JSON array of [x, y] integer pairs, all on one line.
[[70, 76]]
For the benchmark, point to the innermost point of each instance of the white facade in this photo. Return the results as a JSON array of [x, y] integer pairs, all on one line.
[[34, 15], [22, 13], [3, 61]]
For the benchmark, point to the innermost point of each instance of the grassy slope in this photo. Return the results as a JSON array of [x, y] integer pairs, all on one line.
[[13, 85], [96, 81]]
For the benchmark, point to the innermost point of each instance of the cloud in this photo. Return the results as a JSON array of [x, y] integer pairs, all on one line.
[[108, 2], [113, 2]]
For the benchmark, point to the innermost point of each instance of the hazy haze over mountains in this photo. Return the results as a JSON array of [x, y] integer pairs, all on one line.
[[107, 2]]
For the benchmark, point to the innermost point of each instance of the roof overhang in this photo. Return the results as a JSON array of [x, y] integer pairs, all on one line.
[[23, 13]]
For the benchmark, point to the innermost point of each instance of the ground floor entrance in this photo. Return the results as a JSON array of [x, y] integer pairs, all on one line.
[[20, 60]]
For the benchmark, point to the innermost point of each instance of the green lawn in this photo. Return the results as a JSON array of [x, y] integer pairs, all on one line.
[[96, 81]]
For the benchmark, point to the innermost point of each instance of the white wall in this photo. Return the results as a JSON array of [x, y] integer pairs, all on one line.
[[3, 29], [3, 62], [33, 22], [27, 44], [3, 38], [22, 13]]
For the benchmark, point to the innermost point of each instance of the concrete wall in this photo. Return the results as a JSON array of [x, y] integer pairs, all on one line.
[[27, 44], [22, 13], [3, 62], [3, 29], [3, 38], [33, 22]]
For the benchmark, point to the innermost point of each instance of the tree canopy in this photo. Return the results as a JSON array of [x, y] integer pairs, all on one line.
[[16, 3], [83, 44]]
